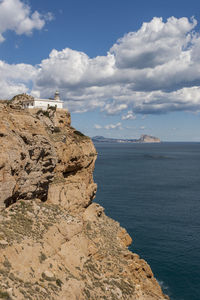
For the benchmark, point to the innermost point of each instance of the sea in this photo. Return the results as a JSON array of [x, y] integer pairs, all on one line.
[[153, 190]]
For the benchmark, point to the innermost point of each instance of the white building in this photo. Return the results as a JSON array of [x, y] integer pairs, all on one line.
[[43, 103]]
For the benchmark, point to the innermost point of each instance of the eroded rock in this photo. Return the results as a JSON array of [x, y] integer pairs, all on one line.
[[39, 148], [55, 243]]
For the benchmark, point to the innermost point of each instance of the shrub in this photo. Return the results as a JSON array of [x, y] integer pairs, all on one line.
[[4, 295], [56, 129], [42, 257], [43, 112], [78, 133], [59, 282], [52, 108]]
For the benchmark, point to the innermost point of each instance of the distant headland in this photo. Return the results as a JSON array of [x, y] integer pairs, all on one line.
[[143, 139]]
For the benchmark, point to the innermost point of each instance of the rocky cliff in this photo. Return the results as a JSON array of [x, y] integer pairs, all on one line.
[[55, 242], [148, 139]]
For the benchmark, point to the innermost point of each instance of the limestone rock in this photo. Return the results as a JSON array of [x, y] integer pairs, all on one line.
[[148, 139], [53, 254], [39, 148], [55, 243], [17, 101]]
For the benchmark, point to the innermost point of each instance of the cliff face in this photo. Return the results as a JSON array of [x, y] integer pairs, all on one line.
[[55, 243], [148, 139], [39, 153]]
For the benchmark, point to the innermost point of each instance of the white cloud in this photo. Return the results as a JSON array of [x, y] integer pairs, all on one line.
[[97, 126], [16, 15], [113, 126], [74, 70], [129, 116], [64, 68], [17, 72], [153, 70], [113, 108], [145, 71], [109, 126], [9, 89], [155, 43], [15, 78]]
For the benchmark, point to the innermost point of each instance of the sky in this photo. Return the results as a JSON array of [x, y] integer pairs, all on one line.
[[123, 68]]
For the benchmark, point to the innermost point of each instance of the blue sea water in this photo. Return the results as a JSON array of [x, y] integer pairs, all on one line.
[[153, 190]]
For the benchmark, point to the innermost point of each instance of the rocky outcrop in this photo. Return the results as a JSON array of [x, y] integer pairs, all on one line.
[[148, 139], [39, 149], [55, 243], [18, 100]]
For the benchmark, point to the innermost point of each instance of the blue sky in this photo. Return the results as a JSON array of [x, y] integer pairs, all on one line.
[[124, 68]]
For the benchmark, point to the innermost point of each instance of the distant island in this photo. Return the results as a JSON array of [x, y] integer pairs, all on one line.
[[143, 139]]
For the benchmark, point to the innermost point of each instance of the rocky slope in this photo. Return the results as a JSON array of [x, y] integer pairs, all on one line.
[[55, 243]]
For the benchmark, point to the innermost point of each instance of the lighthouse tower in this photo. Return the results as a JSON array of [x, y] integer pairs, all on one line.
[[57, 95]]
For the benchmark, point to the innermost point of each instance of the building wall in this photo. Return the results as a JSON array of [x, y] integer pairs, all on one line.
[[43, 103], [28, 104]]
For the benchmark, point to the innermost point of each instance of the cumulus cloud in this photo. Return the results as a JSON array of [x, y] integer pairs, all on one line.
[[97, 126], [17, 72], [109, 126], [113, 108], [129, 116], [155, 43], [9, 89], [15, 79], [145, 71], [153, 70], [16, 15], [113, 126], [74, 69]]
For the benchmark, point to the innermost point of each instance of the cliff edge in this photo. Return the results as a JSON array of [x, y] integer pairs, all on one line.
[[55, 242]]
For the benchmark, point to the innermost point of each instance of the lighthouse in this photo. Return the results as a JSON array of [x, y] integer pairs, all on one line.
[[43, 103], [57, 95]]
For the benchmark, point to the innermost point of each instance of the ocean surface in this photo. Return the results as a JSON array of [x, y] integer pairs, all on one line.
[[153, 190]]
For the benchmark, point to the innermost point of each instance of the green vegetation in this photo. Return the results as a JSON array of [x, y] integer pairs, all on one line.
[[7, 264], [52, 108], [43, 112], [56, 129], [42, 257], [59, 282], [53, 287], [4, 295], [78, 133], [21, 224], [87, 293]]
